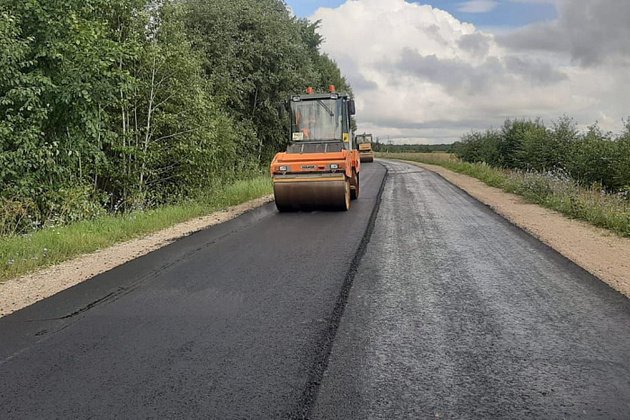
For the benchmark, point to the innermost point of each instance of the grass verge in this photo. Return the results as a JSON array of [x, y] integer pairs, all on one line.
[[26, 253], [551, 190]]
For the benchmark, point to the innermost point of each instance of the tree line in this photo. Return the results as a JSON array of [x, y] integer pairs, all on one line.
[[113, 105], [590, 157], [410, 148]]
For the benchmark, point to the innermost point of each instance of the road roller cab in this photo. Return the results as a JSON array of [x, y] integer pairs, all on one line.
[[364, 141], [320, 168]]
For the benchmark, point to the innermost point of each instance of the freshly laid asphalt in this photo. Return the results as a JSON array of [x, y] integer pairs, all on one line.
[[231, 322], [432, 307], [455, 313]]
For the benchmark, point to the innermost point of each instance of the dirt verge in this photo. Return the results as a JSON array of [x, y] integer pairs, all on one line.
[[23, 291], [598, 251]]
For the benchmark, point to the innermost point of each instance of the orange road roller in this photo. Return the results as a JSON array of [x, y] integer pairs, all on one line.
[[320, 168], [365, 147]]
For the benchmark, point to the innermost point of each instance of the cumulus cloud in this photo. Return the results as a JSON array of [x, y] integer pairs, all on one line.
[[475, 43], [419, 73], [457, 76], [592, 32]]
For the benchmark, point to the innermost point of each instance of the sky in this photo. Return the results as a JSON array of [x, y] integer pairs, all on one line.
[[483, 13], [430, 71]]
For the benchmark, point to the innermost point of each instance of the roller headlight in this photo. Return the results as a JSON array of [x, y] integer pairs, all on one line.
[[283, 169]]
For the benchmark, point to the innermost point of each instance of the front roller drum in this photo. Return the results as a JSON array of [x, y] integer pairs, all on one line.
[[312, 194], [367, 158]]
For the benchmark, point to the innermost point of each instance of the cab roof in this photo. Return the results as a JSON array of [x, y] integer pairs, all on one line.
[[320, 96]]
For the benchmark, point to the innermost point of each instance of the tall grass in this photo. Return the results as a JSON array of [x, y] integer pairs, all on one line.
[[20, 254], [554, 190]]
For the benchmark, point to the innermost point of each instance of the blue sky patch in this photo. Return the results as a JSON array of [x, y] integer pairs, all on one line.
[[506, 13]]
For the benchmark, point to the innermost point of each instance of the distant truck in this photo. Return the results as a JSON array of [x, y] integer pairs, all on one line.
[[365, 147]]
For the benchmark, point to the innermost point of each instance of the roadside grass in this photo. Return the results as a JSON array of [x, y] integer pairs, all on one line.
[[434, 158], [26, 253], [552, 190]]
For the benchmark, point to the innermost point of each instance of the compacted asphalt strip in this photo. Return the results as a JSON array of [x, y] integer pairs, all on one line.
[[235, 321], [455, 313]]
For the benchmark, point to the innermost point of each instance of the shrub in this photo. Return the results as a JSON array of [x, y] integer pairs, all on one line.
[[593, 157], [18, 215]]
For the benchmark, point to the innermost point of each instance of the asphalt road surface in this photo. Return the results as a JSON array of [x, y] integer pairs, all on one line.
[[452, 312], [455, 313], [231, 322]]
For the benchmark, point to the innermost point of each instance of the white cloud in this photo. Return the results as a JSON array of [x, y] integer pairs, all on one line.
[[419, 73], [477, 6], [591, 31]]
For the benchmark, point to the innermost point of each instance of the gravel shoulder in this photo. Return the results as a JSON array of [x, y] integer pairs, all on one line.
[[23, 291], [598, 251]]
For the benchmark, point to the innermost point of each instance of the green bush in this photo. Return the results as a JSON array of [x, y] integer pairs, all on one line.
[[18, 215], [621, 168], [593, 157], [72, 204]]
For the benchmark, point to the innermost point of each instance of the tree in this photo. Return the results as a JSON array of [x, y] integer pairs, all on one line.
[[134, 103]]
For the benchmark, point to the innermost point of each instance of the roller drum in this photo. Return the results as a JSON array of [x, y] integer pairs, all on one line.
[[309, 194]]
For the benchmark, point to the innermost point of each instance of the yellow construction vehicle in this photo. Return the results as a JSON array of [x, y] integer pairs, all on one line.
[[365, 147], [320, 168]]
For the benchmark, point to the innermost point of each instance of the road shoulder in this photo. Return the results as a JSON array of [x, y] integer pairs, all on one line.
[[26, 290], [596, 250]]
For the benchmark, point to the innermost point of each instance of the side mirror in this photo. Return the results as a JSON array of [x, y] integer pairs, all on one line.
[[351, 107]]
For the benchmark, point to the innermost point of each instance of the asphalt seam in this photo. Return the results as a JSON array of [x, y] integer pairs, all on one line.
[[121, 291], [317, 370]]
